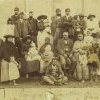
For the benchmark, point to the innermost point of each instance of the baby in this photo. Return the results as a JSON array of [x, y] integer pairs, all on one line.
[[33, 53]]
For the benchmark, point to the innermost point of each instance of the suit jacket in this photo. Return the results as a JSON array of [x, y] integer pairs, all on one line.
[[21, 28], [32, 26], [56, 23], [61, 46]]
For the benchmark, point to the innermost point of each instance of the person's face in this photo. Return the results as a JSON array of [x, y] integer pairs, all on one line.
[[28, 41], [92, 18], [30, 14], [16, 12], [10, 39], [80, 37], [81, 18], [65, 35], [54, 62], [22, 16], [58, 12], [67, 12]]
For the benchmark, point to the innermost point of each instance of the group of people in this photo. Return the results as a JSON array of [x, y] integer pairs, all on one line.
[[67, 48]]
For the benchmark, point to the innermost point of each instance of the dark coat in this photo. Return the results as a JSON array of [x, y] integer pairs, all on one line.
[[61, 46], [21, 28], [8, 50], [33, 26], [56, 23], [68, 24], [14, 19]]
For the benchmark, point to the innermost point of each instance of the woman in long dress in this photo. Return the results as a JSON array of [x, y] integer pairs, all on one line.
[[80, 53], [8, 51]]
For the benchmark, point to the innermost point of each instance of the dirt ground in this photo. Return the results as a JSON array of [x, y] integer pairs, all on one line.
[[36, 82]]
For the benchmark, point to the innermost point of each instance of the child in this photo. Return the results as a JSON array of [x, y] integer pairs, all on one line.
[[93, 62], [54, 74], [13, 70]]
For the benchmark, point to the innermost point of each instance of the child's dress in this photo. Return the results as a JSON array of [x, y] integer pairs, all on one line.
[[13, 70]]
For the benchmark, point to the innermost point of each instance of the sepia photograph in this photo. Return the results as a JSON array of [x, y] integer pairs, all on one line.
[[49, 44]]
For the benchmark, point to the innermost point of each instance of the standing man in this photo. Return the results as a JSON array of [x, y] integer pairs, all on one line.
[[33, 27], [68, 23], [56, 26], [15, 17]]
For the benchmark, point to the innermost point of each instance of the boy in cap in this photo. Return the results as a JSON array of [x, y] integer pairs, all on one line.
[[54, 74]]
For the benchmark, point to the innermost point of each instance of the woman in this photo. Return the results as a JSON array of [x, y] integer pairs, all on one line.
[[9, 27], [8, 52], [80, 53], [28, 65]]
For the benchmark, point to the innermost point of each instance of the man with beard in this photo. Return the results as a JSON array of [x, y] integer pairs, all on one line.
[[33, 27], [16, 16], [56, 26]]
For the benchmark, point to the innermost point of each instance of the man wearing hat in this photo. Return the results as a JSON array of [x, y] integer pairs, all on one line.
[[33, 27], [54, 74], [67, 23], [92, 23], [15, 17], [56, 28], [82, 23]]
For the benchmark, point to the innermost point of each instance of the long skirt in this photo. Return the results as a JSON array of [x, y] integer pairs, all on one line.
[[32, 66], [4, 71]]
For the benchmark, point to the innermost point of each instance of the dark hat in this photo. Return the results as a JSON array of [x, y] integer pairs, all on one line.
[[67, 10], [82, 15], [42, 17], [91, 15], [21, 13], [7, 36], [16, 9], [26, 38], [58, 10]]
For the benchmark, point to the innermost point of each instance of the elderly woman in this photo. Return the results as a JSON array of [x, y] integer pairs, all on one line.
[[80, 53], [8, 52]]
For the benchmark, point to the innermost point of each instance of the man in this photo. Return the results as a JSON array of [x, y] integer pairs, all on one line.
[[82, 23], [21, 30], [33, 27], [64, 48], [21, 26], [67, 23], [56, 29], [15, 17], [54, 74]]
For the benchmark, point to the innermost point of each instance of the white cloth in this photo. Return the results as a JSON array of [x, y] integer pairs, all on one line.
[[41, 38], [13, 70]]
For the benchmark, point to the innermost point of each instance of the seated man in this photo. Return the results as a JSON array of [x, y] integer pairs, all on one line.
[[54, 74], [64, 48]]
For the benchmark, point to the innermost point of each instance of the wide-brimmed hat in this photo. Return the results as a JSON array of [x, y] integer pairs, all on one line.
[[42, 17], [91, 15], [26, 38], [7, 36]]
